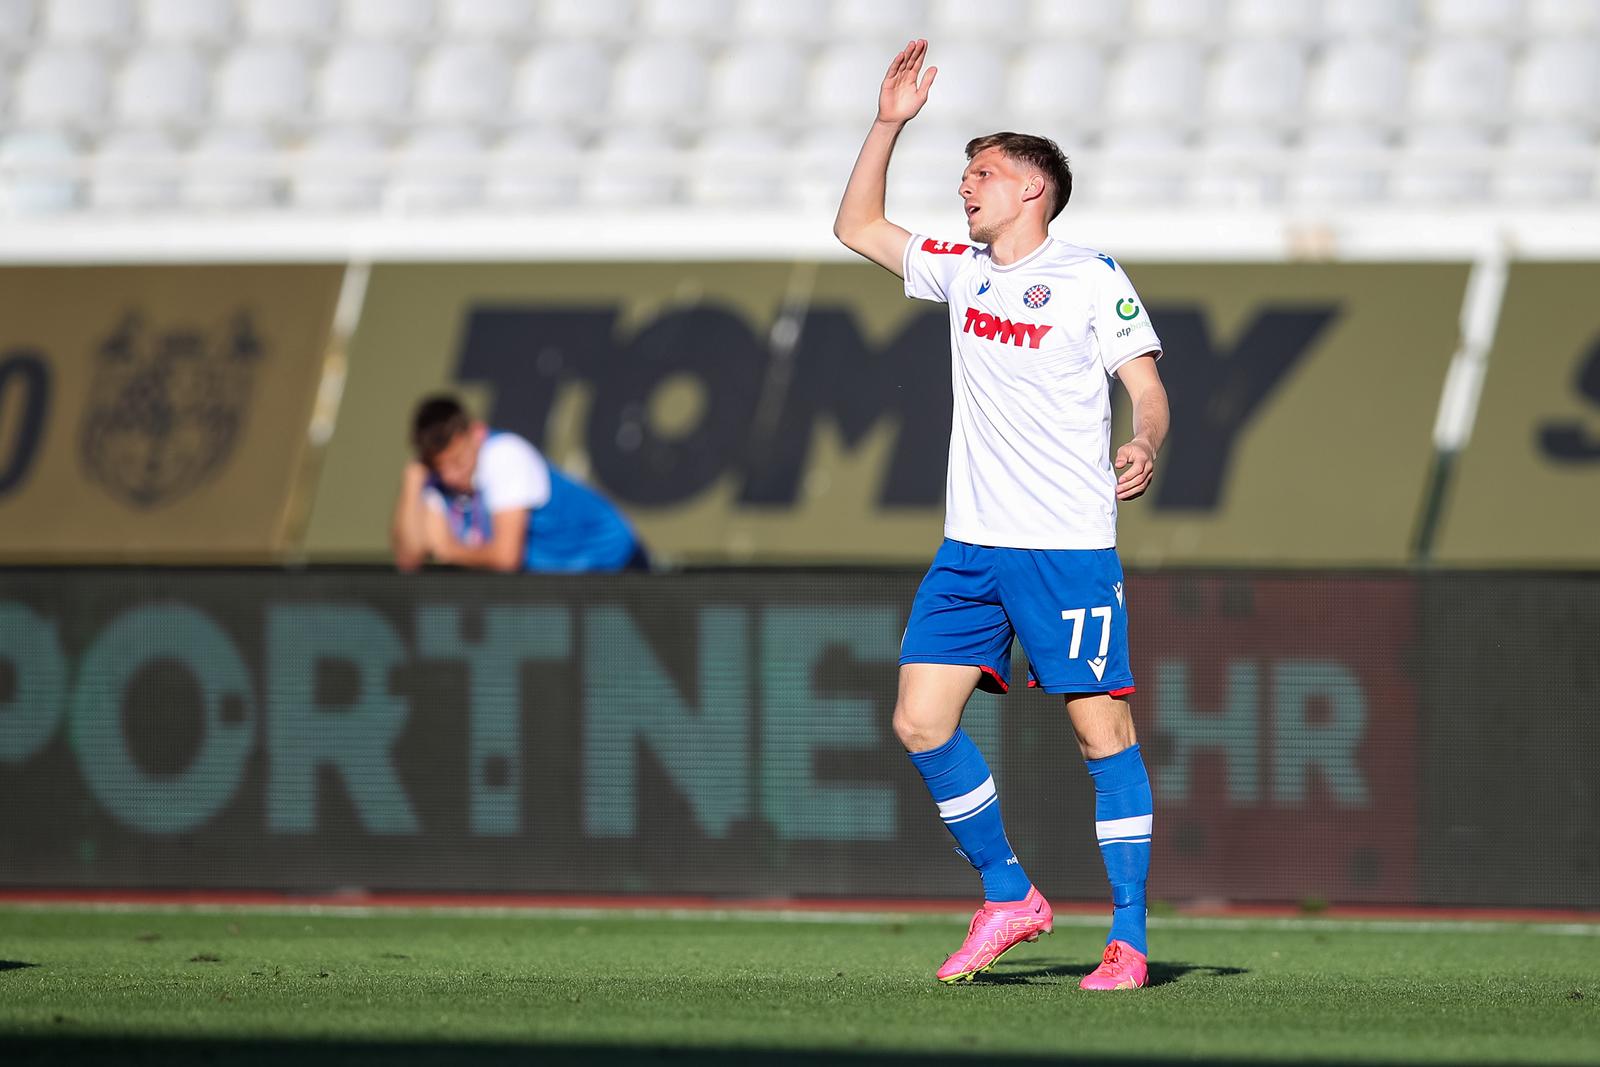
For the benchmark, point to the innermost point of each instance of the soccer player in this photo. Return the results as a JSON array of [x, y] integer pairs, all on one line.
[[477, 498], [1038, 328]]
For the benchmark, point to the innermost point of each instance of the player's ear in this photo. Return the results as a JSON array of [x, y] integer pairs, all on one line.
[[1034, 187]]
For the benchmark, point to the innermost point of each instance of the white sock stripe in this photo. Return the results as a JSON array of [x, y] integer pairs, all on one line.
[[967, 802], [1134, 826], [975, 811], [1127, 841]]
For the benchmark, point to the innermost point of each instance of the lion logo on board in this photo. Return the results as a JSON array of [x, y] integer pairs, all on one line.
[[166, 408]]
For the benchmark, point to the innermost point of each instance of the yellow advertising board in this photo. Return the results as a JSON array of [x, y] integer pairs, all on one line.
[[1526, 490], [156, 413], [775, 412]]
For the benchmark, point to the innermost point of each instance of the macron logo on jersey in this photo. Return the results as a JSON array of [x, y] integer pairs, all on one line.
[[994, 328], [943, 248]]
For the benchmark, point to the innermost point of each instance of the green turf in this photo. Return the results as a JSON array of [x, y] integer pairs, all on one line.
[[413, 988]]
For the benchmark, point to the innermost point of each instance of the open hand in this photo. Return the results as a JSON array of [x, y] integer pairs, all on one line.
[[1140, 460], [901, 96]]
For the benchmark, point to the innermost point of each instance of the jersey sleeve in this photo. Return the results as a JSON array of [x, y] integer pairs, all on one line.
[[931, 265], [512, 474], [1121, 323]]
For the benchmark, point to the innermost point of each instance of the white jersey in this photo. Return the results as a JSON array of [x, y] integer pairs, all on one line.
[[1033, 347]]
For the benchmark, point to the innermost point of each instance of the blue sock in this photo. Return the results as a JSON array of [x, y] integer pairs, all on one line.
[[962, 786], [1123, 814]]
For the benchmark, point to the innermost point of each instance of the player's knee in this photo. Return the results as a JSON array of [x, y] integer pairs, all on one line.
[[919, 733]]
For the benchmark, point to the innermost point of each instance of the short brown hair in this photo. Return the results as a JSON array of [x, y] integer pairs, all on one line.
[[438, 420], [1040, 152]]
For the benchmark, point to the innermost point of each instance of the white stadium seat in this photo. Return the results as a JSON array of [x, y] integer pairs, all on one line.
[[293, 19], [188, 21], [927, 167], [1548, 17], [884, 20], [738, 165], [135, 170], [971, 87], [1461, 81], [758, 80], [37, 169], [492, 19], [1386, 20], [1336, 165], [463, 82], [1135, 166], [1079, 20], [1361, 81], [820, 163], [534, 167], [1258, 81], [1063, 83], [698, 20], [16, 21], [365, 81], [950, 21], [661, 82], [1177, 18], [88, 20], [1444, 164], [1461, 17], [844, 83], [564, 83], [65, 85], [1229, 169], [1544, 163], [230, 169], [403, 19], [587, 19], [790, 20], [1296, 19], [625, 171], [1157, 81], [341, 168], [439, 168], [262, 83], [164, 84], [1558, 80]]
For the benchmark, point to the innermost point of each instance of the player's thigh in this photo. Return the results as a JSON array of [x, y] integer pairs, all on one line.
[[1103, 724], [931, 700]]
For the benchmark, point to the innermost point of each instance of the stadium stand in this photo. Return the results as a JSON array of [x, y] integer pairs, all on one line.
[[337, 103]]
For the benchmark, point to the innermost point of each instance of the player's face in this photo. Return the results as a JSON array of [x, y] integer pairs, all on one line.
[[459, 460], [991, 194]]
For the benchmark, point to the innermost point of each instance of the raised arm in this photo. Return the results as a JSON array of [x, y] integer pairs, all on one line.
[[861, 224]]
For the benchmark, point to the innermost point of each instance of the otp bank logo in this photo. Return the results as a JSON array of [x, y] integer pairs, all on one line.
[[994, 328]]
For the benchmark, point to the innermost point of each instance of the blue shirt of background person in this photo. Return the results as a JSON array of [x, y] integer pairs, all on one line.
[[489, 500]]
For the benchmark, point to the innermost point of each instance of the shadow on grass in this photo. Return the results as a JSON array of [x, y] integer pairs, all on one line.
[[1160, 973], [14, 965], [164, 1051]]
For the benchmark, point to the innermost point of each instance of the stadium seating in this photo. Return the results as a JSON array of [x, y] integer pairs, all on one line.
[[1221, 101]]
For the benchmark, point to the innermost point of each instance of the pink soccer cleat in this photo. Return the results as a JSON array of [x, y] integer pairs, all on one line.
[[1122, 967], [997, 928]]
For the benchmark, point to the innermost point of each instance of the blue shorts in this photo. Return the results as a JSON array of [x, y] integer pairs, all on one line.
[[1065, 605]]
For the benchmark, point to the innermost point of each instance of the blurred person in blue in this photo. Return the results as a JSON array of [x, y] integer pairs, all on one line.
[[488, 500]]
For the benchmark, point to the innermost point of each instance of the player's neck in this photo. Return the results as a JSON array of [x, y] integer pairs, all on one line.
[[1017, 243]]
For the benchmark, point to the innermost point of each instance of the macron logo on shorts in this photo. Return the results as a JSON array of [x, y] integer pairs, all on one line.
[[994, 328]]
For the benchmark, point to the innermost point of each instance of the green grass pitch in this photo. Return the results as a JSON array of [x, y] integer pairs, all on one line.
[[237, 987]]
